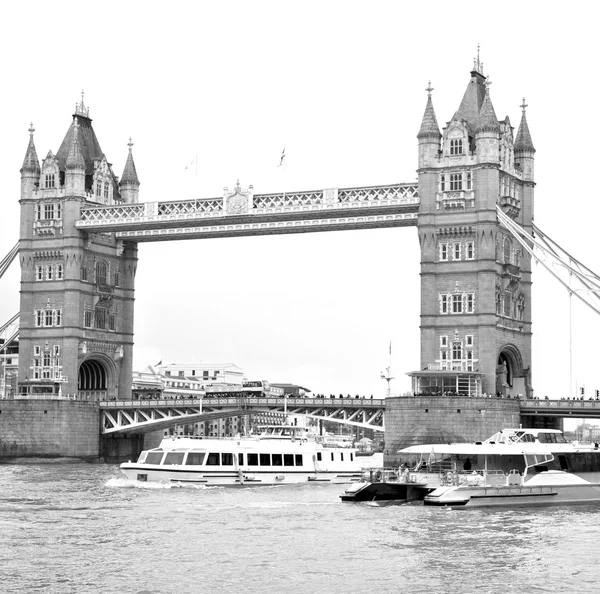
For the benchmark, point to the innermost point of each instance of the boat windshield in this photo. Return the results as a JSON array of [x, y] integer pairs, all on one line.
[[551, 438]]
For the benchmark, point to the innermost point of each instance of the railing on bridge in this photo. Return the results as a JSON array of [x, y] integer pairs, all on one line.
[[287, 212], [128, 416], [584, 408]]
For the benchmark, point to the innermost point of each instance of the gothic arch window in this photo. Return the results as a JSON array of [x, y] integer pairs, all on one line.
[[506, 250], [101, 272], [456, 351], [456, 146]]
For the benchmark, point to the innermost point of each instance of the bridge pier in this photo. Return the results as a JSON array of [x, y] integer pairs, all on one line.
[[437, 419]]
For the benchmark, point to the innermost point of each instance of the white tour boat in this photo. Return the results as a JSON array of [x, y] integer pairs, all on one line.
[[279, 455], [501, 472]]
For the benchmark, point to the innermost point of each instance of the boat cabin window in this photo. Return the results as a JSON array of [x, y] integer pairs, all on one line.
[[319, 456], [252, 459], [277, 460], [298, 459], [551, 438], [332, 456], [240, 459], [173, 458], [288, 459], [351, 457], [526, 438], [227, 459], [154, 457], [342, 456], [214, 459], [265, 459], [195, 458]]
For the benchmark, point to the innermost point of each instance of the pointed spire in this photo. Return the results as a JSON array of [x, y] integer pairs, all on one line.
[[478, 64], [129, 172], [81, 109], [75, 158], [523, 140], [31, 162], [429, 125], [488, 122]]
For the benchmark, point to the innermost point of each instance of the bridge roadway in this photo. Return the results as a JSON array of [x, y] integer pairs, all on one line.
[[243, 213], [143, 416], [578, 409]]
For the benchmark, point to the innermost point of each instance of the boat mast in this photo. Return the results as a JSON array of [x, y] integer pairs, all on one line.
[[388, 376]]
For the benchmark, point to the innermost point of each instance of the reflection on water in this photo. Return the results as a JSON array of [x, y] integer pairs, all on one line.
[[84, 528]]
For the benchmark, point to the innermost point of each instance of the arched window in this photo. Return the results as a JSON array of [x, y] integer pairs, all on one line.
[[507, 250], [456, 351], [101, 272], [456, 146]]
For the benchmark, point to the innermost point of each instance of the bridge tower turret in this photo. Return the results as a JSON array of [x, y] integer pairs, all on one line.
[[77, 288], [475, 280]]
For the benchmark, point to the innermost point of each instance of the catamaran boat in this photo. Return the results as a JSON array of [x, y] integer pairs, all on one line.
[[425, 469], [496, 474], [279, 455]]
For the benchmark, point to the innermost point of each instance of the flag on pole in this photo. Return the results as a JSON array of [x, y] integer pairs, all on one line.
[[282, 157], [193, 162]]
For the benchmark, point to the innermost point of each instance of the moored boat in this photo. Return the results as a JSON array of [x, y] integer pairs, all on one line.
[[280, 454]]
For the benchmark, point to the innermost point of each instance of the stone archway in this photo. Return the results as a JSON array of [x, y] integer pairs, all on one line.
[[510, 376], [94, 380]]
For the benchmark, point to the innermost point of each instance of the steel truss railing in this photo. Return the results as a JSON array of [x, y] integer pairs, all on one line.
[[143, 416], [578, 279]]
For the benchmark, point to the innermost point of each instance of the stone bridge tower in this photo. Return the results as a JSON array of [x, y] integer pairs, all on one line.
[[475, 280], [77, 289]]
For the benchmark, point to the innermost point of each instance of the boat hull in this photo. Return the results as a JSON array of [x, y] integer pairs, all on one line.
[[398, 491], [554, 489], [150, 473]]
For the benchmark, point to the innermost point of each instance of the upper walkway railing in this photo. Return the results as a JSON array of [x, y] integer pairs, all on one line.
[[244, 213]]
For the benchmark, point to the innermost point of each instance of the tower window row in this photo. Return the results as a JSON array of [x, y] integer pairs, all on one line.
[[456, 356], [456, 146], [456, 250], [444, 341], [46, 362], [48, 211], [508, 187], [455, 182], [510, 305], [49, 272], [457, 303], [100, 318], [99, 187], [47, 317]]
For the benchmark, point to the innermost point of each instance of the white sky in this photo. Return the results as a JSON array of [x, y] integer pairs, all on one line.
[[341, 86]]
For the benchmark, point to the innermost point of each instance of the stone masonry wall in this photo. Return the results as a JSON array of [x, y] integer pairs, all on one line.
[[49, 428], [475, 419]]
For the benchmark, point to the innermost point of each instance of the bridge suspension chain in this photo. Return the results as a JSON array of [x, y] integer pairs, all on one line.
[[15, 333], [8, 259], [578, 279]]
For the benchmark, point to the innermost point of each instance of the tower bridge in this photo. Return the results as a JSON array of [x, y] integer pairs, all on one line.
[[473, 207]]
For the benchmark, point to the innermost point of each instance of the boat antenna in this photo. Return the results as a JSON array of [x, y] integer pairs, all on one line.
[[387, 376]]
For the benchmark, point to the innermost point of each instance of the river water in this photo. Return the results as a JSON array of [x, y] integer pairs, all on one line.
[[79, 528]]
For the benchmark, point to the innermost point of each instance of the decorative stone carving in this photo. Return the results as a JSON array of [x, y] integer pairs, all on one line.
[[238, 202]]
